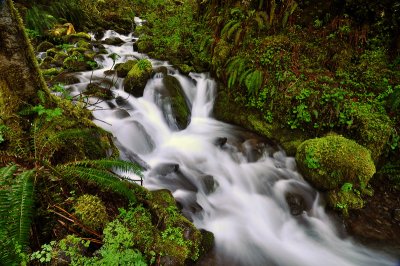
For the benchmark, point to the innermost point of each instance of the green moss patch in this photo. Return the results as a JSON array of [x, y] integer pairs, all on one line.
[[330, 161]]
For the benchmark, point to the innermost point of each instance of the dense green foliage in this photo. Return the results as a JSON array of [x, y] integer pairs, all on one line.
[[304, 68], [314, 67]]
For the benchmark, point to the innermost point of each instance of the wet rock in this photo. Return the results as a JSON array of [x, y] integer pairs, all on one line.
[[98, 90], [162, 69], [296, 203], [253, 149], [179, 106], [220, 141], [76, 64], [113, 41], [65, 78], [164, 169], [44, 46], [121, 113], [123, 102], [109, 72], [137, 78], [209, 184], [124, 68]]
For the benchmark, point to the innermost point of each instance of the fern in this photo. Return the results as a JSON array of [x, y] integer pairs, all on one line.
[[106, 164], [22, 201], [236, 67], [16, 202], [101, 177], [254, 81]]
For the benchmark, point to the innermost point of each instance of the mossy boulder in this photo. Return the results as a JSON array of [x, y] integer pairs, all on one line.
[[59, 59], [76, 37], [99, 90], [330, 161], [44, 46], [74, 64], [137, 77], [113, 41], [124, 68], [175, 95], [144, 46], [84, 44], [51, 71], [345, 200]]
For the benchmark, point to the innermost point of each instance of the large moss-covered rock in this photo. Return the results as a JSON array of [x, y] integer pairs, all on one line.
[[124, 68], [330, 161], [180, 109], [137, 77]]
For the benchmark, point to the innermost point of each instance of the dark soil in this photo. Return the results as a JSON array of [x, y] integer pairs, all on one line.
[[377, 225]]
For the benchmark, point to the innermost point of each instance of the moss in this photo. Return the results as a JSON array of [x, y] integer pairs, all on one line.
[[372, 129], [91, 211], [179, 106], [76, 63], [330, 161], [137, 77], [84, 44], [74, 38], [124, 68], [44, 46], [52, 51], [345, 200], [51, 71]]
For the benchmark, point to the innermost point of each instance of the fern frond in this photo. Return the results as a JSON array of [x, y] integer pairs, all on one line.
[[22, 202], [100, 177], [110, 164], [227, 27], [6, 173], [233, 28], [16, 202], [254, 81]]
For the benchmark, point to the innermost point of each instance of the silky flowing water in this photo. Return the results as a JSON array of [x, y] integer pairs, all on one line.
[[228, 181]]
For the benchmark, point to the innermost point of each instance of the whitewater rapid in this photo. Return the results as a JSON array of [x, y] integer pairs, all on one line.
[[231, 182]]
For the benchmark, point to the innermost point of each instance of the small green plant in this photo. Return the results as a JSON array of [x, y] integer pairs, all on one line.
[[347, 187], [60, 89], [49, 114], [310, 160], [45, 254]]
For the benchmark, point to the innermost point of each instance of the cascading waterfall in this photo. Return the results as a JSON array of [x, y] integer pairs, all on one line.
[[228, 181]]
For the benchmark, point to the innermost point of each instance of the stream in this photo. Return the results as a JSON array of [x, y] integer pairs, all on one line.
[[239, 186]]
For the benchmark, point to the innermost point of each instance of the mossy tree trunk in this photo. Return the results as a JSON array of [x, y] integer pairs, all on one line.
[[20, 78]]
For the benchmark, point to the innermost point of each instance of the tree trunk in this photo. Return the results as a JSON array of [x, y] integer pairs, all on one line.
[[20, 78]]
